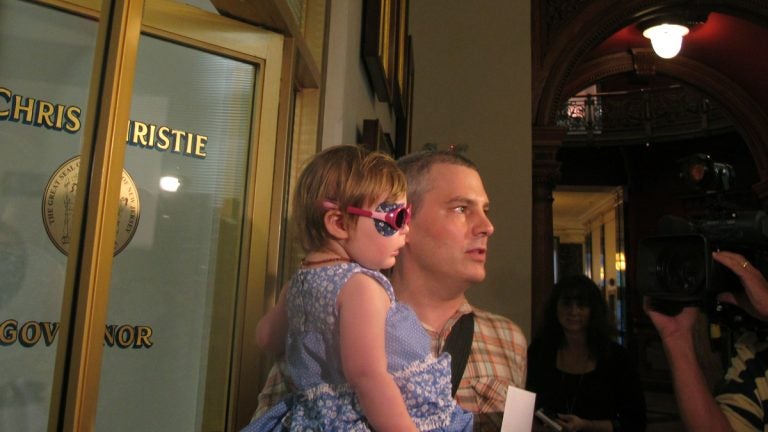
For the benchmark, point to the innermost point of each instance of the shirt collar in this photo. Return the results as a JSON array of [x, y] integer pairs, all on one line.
[[462, 310]]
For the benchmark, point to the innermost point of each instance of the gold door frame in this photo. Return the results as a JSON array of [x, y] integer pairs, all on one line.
[[86, 293]]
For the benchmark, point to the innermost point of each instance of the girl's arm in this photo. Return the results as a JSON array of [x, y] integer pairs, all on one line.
[[363, 306], [273, 327]]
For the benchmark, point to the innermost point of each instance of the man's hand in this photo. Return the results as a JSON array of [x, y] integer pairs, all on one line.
[[572, 423], [672, 327], [754, 299]]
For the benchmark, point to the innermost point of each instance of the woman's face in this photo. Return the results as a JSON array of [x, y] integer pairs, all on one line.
[[573, 315]]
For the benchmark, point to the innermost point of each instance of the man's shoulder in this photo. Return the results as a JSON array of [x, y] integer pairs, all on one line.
[[499, 345], [484, 315], [490, 320]]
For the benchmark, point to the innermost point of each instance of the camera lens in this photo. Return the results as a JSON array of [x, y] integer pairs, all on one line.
[[681, 269], [674, 267]]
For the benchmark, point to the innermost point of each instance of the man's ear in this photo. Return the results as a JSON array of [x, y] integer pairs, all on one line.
[[334, 223]]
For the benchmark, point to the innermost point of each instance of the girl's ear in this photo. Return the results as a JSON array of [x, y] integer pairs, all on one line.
[[334, 223]]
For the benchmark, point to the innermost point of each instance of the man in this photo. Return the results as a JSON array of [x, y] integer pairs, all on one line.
[[443, 257], [741, 402]]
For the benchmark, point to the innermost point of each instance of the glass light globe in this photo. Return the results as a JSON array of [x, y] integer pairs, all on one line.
[[666, 39]]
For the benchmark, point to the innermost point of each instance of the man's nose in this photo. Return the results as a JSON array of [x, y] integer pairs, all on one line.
[[483, 225]]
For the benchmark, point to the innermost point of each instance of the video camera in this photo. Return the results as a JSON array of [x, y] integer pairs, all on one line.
[[675, 267]]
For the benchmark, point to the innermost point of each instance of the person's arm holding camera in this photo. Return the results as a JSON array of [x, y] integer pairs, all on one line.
[[754, 299], [699, 409]]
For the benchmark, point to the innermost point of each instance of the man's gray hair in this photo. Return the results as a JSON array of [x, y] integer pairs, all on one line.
[[417, 166]]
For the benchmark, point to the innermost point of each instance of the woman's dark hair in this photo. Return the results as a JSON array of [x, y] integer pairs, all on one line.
[[582, 290]]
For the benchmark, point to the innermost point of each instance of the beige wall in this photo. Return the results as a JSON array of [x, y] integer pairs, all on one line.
[[472, 86], [349, 98]]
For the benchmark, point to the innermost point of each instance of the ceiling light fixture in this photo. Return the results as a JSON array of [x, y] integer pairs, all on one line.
[[666, 39]]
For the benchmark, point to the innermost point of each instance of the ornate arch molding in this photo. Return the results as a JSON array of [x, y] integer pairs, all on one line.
[[584, 31], [583, 28], [745, 113], [588, 26]]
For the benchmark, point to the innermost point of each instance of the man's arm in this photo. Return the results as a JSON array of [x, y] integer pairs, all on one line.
[[698, 408]]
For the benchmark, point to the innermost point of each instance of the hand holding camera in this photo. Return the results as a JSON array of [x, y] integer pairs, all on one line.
[[698, 408], [711, 262], [754, 298]]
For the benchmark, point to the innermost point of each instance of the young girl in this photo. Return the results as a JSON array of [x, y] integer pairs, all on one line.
[[358, 359]]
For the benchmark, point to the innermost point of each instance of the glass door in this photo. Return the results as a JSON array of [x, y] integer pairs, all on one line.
[[45, 75], [191, 238]]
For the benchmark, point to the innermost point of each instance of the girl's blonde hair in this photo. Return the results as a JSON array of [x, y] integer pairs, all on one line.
[[346, 175]]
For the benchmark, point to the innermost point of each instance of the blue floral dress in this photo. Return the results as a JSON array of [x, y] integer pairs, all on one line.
[[323, 399]]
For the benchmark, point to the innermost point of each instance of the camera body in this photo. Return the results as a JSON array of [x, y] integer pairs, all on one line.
[[677, 267]]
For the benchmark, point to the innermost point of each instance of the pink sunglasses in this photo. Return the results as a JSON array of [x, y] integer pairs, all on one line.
[[397, 218]]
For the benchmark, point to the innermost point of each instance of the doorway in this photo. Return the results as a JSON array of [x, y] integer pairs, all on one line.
[[189, 256], [588, 226]]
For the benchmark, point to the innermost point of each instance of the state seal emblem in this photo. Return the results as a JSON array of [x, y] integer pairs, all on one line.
[[59, 201]]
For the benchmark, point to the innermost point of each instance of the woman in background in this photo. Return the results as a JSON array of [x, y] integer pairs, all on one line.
[[580, 375]]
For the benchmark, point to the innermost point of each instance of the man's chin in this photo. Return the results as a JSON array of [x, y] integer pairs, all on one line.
[[476, 276]]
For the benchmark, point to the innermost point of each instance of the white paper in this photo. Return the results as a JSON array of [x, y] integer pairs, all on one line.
[[518, 410]]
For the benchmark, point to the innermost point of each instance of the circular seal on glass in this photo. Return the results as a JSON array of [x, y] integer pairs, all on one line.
[[59, 207]]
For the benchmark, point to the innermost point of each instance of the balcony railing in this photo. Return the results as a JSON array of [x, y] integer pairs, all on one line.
[[640, 116]]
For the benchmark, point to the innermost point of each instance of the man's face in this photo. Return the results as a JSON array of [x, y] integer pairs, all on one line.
[[450, 230]]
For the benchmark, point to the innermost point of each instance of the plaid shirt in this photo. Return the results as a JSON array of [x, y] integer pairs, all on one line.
[[497, 360]]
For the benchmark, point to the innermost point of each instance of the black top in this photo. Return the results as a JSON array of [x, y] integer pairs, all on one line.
[[612, 391]]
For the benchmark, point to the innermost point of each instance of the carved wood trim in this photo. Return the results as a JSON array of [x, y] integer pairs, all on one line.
[[589, 26], [562, 75], [745, 113]]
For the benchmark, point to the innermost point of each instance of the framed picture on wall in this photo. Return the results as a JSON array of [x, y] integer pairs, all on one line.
[[379, 45], [374, 138], [401, 64], [404, 116]]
